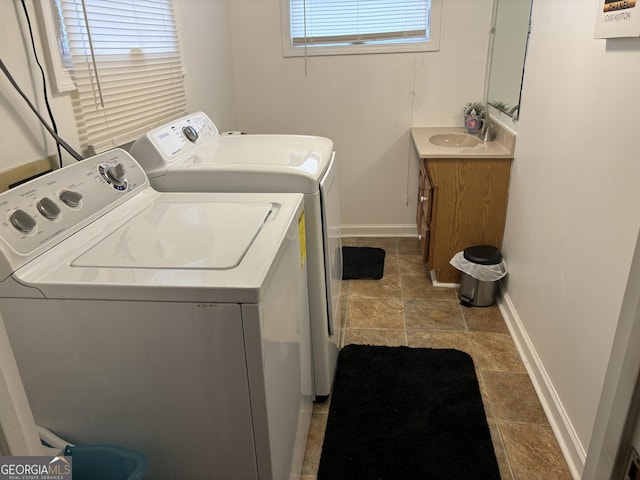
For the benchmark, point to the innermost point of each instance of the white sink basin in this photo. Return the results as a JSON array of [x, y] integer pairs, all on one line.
[[454, 140]]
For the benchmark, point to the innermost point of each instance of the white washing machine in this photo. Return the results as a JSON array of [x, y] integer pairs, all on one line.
[[190, 155], [175, 324]]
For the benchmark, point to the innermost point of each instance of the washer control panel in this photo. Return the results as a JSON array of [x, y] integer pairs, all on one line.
[[50, 207], [183, 135]]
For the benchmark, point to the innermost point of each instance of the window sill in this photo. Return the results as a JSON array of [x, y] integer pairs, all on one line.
[[362, 49]]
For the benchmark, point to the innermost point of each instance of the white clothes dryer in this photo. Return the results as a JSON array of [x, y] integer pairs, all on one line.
[[190, 155], [175, 324]]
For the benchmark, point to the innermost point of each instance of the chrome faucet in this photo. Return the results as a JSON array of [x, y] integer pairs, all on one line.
[[486, 132]]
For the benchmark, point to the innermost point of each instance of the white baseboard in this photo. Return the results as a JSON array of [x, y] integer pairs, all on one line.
[[571, 447], [379, 230], [436, 283]]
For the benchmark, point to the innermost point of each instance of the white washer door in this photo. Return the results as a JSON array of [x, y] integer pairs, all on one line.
[[178, 235]]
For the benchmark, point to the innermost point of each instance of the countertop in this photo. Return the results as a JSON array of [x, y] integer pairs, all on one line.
[[501, 147]]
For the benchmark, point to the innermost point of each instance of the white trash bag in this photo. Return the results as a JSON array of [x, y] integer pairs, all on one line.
[[484, 273]]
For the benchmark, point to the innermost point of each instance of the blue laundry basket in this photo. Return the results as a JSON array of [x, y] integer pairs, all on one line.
[[106, 462]]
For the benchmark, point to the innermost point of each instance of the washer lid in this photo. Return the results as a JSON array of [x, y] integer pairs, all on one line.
[[144, 250], [176, 235]]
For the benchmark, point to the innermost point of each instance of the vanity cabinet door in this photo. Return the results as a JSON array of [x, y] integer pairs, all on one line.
[[423, 214]]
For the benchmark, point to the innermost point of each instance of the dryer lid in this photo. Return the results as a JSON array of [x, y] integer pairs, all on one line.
[[181, 235], [301, 151], [282, 155]]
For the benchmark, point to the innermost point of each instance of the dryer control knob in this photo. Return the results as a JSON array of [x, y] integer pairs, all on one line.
[[70, 197], [116, 174], [48, 208], [22, 221]]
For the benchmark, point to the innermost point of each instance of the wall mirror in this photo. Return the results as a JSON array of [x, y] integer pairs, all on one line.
[[507, 51]]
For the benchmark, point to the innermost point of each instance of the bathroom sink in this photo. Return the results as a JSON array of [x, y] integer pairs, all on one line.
[[454, 140]]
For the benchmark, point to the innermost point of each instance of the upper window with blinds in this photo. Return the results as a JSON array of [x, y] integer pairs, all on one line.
[[124, 58], [334, 27]]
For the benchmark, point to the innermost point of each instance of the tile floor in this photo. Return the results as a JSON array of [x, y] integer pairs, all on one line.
[[403, 308]]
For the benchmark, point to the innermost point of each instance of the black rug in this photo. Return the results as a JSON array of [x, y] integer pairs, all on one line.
[[400, 413], [362, 263]]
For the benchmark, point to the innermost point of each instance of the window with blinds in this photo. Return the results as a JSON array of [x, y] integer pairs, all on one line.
[[327, 27], [125, 61]]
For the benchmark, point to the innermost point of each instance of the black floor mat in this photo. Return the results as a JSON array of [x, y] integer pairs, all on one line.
[[362, 263], [406, 413]]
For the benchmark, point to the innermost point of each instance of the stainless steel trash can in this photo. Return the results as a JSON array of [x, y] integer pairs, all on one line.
[[474, 292]]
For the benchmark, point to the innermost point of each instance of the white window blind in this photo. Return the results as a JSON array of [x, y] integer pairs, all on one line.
[[126, 65], [343, 23]]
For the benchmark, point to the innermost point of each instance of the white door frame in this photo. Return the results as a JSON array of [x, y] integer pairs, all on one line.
[[620, 399]]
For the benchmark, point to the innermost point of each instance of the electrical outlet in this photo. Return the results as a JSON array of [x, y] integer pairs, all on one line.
[[633, 467]]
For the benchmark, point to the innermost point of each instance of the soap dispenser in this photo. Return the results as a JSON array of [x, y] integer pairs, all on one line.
[[473, 122], [474, 118]]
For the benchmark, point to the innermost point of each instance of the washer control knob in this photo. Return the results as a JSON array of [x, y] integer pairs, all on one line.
[[48, 208], [71, 198], [22, 221], [116, 173], [191, 133]]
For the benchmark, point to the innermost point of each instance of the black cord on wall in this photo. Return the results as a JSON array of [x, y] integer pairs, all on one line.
[[58, 139], [44, 79], [53, 131]]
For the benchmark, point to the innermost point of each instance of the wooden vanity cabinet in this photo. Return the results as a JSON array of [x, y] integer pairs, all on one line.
[[461, 202]]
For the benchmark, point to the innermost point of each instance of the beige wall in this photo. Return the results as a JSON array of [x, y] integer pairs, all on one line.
[[573, 209], [205, 38]]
